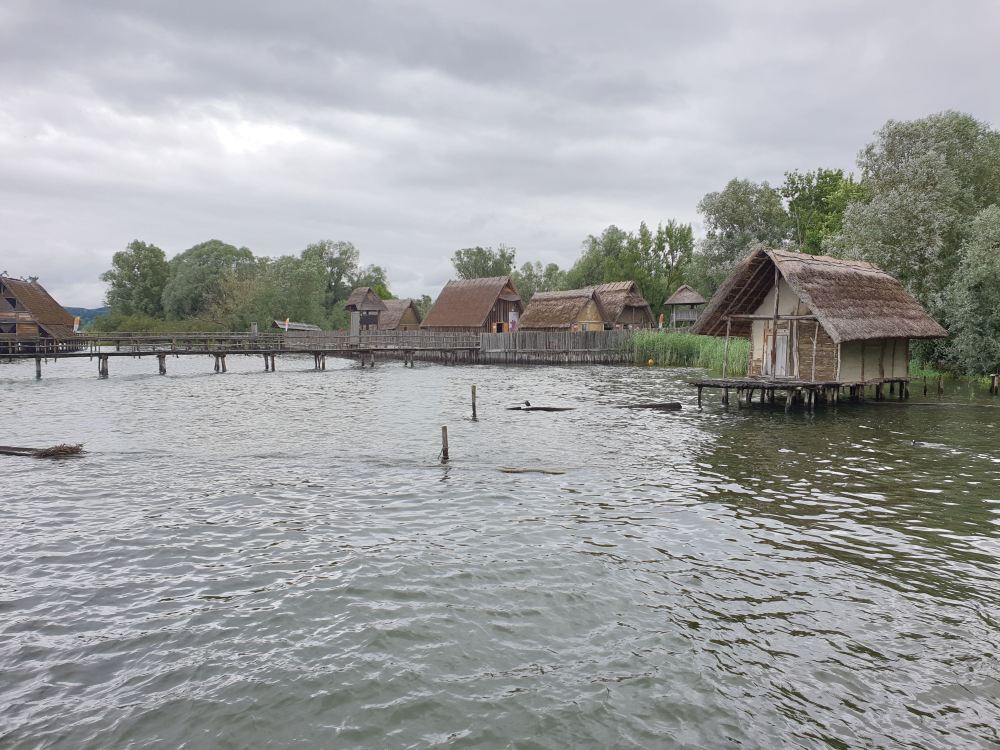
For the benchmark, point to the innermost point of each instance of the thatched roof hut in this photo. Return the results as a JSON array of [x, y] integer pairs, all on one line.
[[684, 304], [576, 309], [28, 311], [812, 316], [490, 305], [399, 315], [364, 299], [624, 305]]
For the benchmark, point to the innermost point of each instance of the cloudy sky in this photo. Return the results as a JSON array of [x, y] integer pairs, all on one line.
[[416, 128]]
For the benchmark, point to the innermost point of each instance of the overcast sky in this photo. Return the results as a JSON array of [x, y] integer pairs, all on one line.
[[413, 129]]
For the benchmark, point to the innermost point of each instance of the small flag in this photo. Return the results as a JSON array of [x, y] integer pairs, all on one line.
[[76, 324], [286, 324]]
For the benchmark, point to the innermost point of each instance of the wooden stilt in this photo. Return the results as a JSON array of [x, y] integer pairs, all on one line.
[[699, 396], [38, 368], [162, 362], [474, 402], [444, 443], [222, 361]]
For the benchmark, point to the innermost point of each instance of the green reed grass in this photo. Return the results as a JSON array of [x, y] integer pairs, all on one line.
[[673, 349]]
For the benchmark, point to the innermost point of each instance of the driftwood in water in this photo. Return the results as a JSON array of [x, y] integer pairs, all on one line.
[[540, 408], [527, 470], [664, 406], [56, 451]]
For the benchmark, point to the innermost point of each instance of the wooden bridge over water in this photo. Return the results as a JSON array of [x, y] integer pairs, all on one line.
[[528, 347]]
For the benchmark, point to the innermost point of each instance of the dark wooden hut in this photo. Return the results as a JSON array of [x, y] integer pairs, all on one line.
[[365, 307], [685, 306], [573, 310], [624, 305], [489, 305], [399, 315], [818, 319], [27, 311]]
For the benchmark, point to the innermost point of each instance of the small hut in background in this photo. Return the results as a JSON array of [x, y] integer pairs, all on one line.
[[28, 311], [476, 305], [399, 315], [573, 310], [624, 305], [365, 307], [818, 319], [685, 306], [290, 326]]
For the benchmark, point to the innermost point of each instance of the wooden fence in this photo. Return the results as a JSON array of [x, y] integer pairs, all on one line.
[[554, 347]]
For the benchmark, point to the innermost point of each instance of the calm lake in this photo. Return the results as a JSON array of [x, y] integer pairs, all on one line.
[[279, 560]]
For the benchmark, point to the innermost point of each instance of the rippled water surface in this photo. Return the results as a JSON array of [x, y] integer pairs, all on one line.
[[279, 560]]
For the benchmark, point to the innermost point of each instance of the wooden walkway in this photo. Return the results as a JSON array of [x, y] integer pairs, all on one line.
[[405, 345]]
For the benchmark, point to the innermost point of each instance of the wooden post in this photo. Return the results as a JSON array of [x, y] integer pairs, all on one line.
[[925, 385], [940, 387], [162, 361], [216, 362], [474, 402], [222, 360], [267, 365], [815, 340], [994, 384], [38, 368], [699, 397], [444, 443], [725, 364]]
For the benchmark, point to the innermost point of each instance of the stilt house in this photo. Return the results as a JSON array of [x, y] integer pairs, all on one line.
[[573, 310], [28, 311], [365, 307], [818, 319], [489, 305], [399, 315], [624, 305], [685, 305]]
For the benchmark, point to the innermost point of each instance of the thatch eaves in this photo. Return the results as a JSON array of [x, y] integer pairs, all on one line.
[[364, 299], [549, 310], [466, 303], [685, 295], [852, 300]]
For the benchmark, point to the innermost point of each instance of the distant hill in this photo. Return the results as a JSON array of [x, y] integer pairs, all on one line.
[[87, 314]]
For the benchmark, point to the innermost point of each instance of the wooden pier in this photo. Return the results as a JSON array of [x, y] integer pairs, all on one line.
[[405, 345]]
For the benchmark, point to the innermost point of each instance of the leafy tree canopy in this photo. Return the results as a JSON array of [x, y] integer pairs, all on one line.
[[483, 262], [136, 280], [816, 204], [196, 276]]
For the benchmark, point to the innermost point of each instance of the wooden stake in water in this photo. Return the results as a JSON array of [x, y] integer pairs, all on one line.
[[444, 443], [473, 402]]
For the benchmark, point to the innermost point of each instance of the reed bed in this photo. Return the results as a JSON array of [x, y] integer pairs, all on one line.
[[674, 349]]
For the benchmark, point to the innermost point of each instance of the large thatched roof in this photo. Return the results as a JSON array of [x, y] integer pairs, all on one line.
[[549, 310], [44, 310], [466, 303], [685, 295], [394, 311], [852, 300], [616, 296]]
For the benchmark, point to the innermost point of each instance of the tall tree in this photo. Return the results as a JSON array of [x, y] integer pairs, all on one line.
[[136, 280], [740, 217], [533, 277], [196, 276], [973, 297], [483, 262], [816, 204], [341, 261], [925, 180]]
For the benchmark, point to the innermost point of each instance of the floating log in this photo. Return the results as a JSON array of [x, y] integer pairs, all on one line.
[[540, 408], [527, 470], [56, 451], [665, 406]]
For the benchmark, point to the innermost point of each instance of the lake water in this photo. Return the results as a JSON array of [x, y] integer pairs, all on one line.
[[280, 560]]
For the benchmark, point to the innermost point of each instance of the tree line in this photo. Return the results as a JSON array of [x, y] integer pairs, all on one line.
[[925, 207]]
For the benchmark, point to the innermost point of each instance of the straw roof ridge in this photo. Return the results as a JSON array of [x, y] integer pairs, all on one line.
[[852, 300], [615, 296]]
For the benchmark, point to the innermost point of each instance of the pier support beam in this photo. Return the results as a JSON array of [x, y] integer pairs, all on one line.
[[162, 361], [38, 368], [102, 366]]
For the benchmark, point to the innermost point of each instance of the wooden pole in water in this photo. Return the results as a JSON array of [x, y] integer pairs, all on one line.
[[162, 362], [222, 359], [940, 387], [474, 402], [38, 368], [994, 384], [444, 443], [725, 364]]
